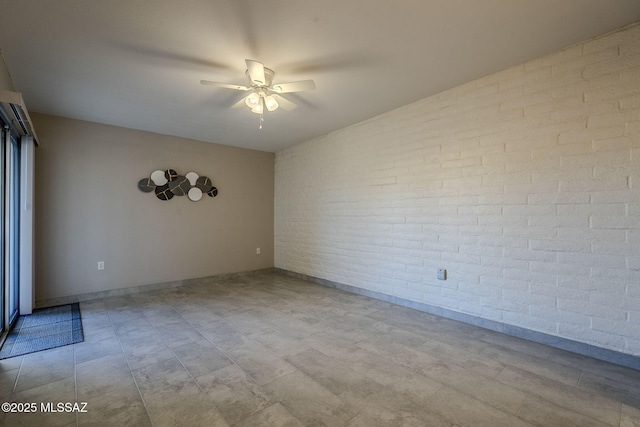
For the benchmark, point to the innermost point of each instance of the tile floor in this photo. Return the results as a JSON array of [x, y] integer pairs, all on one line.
[[271, 350]]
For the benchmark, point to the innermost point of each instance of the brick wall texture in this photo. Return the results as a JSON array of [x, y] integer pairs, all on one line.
[[524, 185]]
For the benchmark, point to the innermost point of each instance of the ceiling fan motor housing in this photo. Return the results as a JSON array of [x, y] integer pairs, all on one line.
[[269, 74]]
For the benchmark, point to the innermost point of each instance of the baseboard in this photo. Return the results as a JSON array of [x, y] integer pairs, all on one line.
[[50, 302], [611, 356]]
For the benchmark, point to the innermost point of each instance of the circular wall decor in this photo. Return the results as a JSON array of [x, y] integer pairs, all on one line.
[[146, 185], [163, 192], [168, 183], [179, 185], [192, 177], [204, 184], [195, 194], [170, 174], [158, 177]]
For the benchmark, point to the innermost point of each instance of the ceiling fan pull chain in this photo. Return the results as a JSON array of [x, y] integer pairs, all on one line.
[[261, 120]]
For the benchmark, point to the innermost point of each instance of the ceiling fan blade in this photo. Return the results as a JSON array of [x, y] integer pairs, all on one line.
[[294, 86], [284, 103], [225, 85], [256, 72]]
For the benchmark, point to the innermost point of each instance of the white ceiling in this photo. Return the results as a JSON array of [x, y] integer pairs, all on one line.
[[138, 63]]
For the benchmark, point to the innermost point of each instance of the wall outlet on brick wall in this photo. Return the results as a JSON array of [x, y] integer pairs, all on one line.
[[442, 274]]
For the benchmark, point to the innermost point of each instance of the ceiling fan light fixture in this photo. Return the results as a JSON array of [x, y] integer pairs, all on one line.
[[262, 93], [253, 100], [271, 103], [259, 108]]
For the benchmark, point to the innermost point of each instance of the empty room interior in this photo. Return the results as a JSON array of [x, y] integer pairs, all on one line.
[[332, 213]]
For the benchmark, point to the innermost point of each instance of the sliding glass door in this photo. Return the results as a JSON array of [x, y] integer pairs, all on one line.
[[4, 307], [13, 224], [9, 227]]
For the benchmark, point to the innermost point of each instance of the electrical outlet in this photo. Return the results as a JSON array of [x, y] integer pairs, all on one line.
[[442, 274], [257, 251], [100, 265]]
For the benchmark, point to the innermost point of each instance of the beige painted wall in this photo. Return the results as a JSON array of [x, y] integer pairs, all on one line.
[[5, 78], [89, 209]]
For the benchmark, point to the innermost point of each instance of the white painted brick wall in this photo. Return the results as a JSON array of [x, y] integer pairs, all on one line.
[[524, 185]]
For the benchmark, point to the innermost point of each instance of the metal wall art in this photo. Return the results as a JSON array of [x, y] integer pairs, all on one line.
[[168, 183]]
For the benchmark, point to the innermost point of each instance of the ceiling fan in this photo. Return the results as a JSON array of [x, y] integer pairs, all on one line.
[[264, 93]]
